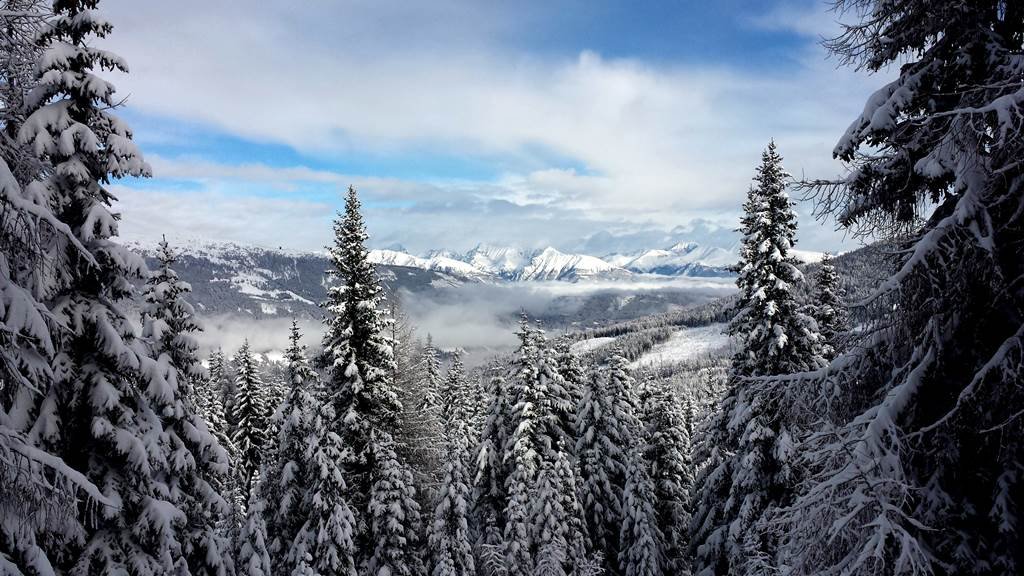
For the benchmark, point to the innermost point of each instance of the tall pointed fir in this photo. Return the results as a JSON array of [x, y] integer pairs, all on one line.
[[571, 370], [641, 546], [253, 557], [223, 386], [606, 428], [747, 450], [432, 387], [250, 431], [667, 452], [196, 465], [287, 479], [457, 402], [929, 399], [393, 513], [539, 438], [491, 471], [828, 309], [361, 370], [98, 415], [449, 540]]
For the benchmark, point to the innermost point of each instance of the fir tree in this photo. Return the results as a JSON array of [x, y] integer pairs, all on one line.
[[448, 538], [98, 416], [432, 387], [926, 405], [606, 427], [196, 463], [394, 515], [287, 480], [828, 310], [253, 558], [667, 451], [361, 368], [325, 544], [490, 498], [641, 546], [747, 451], [457, 404], [250, 434]]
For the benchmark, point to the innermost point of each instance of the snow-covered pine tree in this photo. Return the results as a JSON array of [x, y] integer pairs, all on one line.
[[929, 399], [641, 547], [828, 309], [747, 449], [457, 404], [196, 463], [324, 545], [253, 558], [394, 514], [606, 428], [550, 522], [250, 411], [432, 387], [286, 480], [360, 357], [490, 498], [97, 416], [538, 436], [448, 538], [667, 450], [222, 385], [209, 396], [571, 370]]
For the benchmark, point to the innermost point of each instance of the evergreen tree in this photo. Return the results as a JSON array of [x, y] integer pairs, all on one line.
[[606, 427], [448, 538], [490, 498], [828, 310], [223, 386], [325, 544], [747, 451], [98, 415], [250, 434], [394, 513], [667, 451], [253, 558], [538, 437], [571, 370], [457, 404], [641, 545], [926, 405], [361, 368], [196, 463], [287, 480], [432, 387]]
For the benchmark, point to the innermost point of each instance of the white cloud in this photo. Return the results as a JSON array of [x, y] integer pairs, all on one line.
[[659, 143]]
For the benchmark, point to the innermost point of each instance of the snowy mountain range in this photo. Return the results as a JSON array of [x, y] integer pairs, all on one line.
[[496, 263]]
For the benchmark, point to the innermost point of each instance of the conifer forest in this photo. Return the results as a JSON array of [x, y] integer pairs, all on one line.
[[679, 405]]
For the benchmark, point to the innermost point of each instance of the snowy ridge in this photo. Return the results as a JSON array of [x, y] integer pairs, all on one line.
[[550, 264]]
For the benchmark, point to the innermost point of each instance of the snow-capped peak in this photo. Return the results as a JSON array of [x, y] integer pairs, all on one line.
[[550, 264]]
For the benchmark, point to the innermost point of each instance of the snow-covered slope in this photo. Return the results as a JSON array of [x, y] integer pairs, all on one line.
[[504, 261], [550, 264], [437, 263], [683, 259]]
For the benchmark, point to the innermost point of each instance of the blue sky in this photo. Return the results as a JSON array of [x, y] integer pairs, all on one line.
[[526, 123]]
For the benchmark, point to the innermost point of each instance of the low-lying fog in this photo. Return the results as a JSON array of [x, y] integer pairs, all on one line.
[[481, 318]]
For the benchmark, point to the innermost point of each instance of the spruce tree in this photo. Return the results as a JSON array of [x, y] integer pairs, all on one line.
[[250, 433], [394, 514], [448, 538], [253, 558], [747, 452], [490, 497], [457, 403], [667, 452], [432, 386], [287, 480], [98, 416], [538, 439], [196, 463], [828, 309], [325, 543], [360, 377], [606, 427], [926, 405], [641, 548]]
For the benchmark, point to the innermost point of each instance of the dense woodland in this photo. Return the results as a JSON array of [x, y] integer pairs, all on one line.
[[864, 423]]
